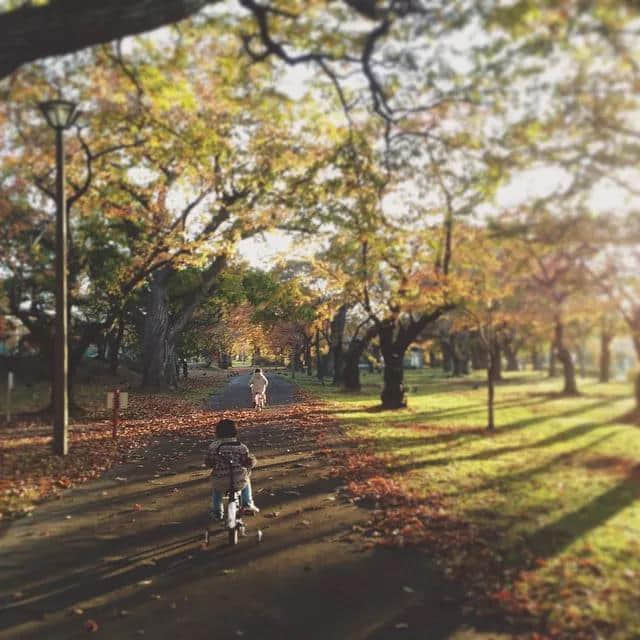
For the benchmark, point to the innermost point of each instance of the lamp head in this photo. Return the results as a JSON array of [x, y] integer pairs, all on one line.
[[60, 114]]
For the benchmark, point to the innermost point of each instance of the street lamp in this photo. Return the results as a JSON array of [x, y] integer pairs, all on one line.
[[60, 115]]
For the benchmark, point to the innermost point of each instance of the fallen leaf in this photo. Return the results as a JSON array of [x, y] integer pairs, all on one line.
[[91, 626], [112, 558]]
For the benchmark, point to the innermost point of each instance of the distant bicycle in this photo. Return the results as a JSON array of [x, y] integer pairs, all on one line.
[[258, 384], [259, 401]]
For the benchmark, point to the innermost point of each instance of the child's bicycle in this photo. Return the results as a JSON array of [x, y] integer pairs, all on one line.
[[259, 401], [233, 523]]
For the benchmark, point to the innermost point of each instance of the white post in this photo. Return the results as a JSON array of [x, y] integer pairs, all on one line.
[[9, 389]]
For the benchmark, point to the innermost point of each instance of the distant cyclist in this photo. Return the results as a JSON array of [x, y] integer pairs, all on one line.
[[258, 385]]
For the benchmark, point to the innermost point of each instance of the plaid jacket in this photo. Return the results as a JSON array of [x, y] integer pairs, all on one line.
[[229, 460]]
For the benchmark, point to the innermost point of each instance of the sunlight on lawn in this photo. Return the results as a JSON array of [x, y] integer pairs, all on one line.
[[556, 485]]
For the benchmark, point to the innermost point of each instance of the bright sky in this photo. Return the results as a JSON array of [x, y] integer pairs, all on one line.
[[264, 251]]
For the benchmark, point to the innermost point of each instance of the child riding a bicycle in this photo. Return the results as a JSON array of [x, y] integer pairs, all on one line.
[[258, 385], [231, 464]]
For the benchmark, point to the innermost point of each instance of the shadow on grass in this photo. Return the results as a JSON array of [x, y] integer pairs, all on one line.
[[506, 481], [630, 417], [487, 454], [450, 412], [447, 435], [553, 538]]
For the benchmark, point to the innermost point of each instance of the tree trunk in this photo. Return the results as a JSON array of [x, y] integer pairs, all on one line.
[[460, 354], [393, 395], [77, 350], [568, 370], [581, 358], [491, 383], [633, 321], [351, 381], [605, 355], [40, 31], [337, 335], [479, 355], [458, 365], [158, 352], [536, 364], [160, 335], [447, 355], [319, 372], [433, 359], [375, 353], [511, 352], [552, 361], [308, 360], [325, 365], [101, 345], [72, 372], [115, 340], [495, 361], [395, 338], [352, 358]]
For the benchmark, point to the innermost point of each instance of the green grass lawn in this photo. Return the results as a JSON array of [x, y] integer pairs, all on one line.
[[556, 485]]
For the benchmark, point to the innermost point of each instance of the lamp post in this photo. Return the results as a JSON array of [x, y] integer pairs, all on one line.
[[60, 115]]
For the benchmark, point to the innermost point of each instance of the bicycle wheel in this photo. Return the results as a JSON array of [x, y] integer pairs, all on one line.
[[233, 536]]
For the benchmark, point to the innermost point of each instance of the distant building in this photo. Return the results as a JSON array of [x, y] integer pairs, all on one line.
[[414, 358], [623, 357]]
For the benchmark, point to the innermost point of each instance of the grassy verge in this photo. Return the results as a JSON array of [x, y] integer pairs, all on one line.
[[93, 382], [538, 522]]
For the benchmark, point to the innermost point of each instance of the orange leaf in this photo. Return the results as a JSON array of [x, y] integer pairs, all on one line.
[[91, 626]]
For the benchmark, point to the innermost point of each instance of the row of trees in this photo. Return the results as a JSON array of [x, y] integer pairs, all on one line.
[[392, 176], [168, 171]]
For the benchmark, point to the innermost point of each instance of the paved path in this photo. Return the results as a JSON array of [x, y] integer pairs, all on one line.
[[124, 553], [236, 394]]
